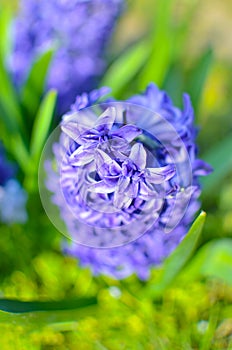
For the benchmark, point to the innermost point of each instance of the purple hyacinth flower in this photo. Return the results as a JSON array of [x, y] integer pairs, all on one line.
[[130, 173], [99, 134], [79, 30], [130, 180]]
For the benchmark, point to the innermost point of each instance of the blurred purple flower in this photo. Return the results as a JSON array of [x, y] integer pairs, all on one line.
[[79, 29], [124, 165], [12, 196], [13, 200]]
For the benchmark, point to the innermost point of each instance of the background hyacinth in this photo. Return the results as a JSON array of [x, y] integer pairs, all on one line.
[[12, 197], [150, 249], [79, 30]]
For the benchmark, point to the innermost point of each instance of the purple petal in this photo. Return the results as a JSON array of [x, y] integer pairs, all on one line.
[[201, 168], [83, 155], [118, 147], [90, 135], [128, 188], [106, 165], [73, 130], [188, 112], [102, 187], [123, 184], [153, 204], [121, 201], [146, 190], [106, 119], [159, 175], [128, 132], [133, 189], [138, 155], [111, 179]]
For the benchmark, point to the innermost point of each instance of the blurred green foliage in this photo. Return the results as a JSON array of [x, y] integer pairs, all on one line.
[[186, 304]]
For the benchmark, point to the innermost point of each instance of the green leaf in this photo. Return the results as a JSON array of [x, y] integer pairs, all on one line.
[[42, 124], [14, 144], [33, 89], [59, 315], [220, 158], [6, 122], [9, 107], [214, 317], [19, 151], [13, 130], [158, 65], [123, 70], [173, 84], [178, 259], [5, 22], [197, 77], [214, 259], [16, 306], [39, 134], [162, 46]]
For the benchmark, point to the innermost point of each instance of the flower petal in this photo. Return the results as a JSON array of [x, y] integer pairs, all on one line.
[[123, 184], [146, 190], [74, 130], [201, 168], [101, 187], [138, 155], [128, 132], [111, 179], [106, 165], [121, 201], [133, 189], [159, 175], [83, 155], [117, 147], [106, 120], [91, 135]]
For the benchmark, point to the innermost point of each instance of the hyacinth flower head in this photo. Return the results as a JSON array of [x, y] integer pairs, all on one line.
[[126, 180], [78, 30], [12, 196]]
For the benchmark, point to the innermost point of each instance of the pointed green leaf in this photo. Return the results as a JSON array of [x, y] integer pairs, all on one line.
[[42, 124], [174, 84], [162, 46], [62, 315], [197, 77], [178, 259], [158, 64], [123, 70], [33, 89], [16, 306], [39, 134], [6, 121], [9, 108], [14, 143], [11, 122], [19, 152]]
